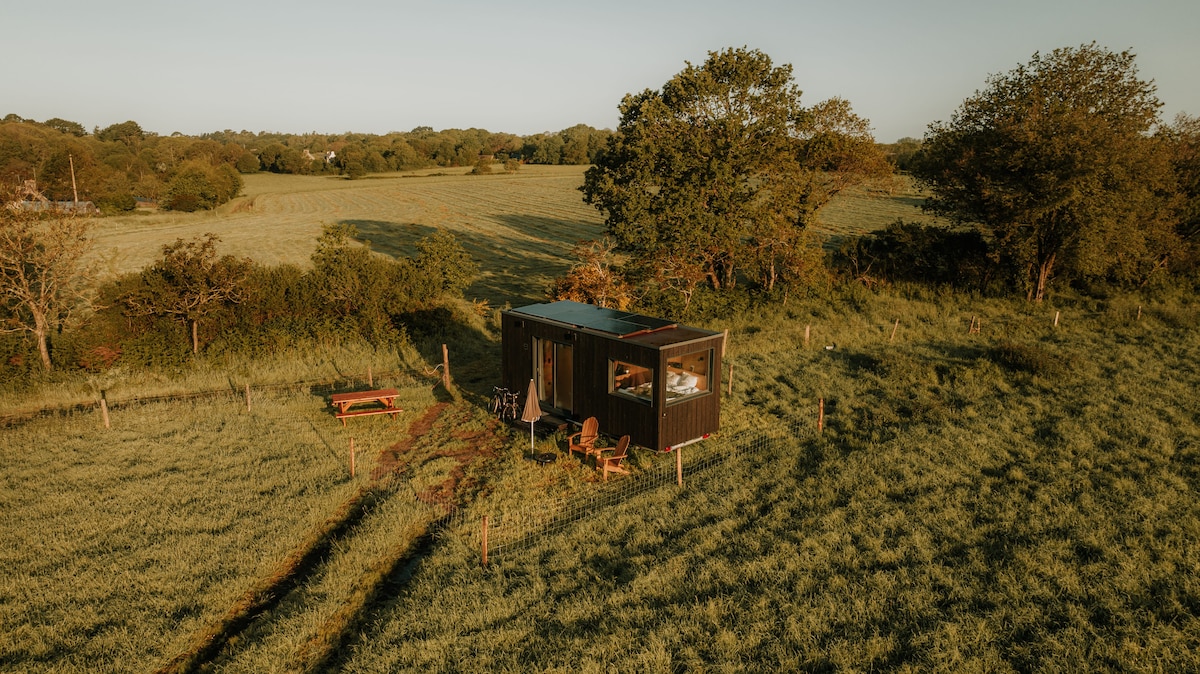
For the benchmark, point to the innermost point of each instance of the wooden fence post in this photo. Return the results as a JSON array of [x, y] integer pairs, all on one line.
[[485, 546], [104, 409], [679, 466], [1056, 319], [247, 396], [807, 329], [730, 383], [351, 457], [445, 367], [370, 379], [820, 415], [725, 343], [894, 329], [1139, 316]]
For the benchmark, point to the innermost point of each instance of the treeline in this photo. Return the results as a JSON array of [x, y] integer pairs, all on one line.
[[193, 299], [122, 164], [1057, 174]]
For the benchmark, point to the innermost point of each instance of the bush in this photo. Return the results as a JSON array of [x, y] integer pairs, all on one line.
[[919, 253]]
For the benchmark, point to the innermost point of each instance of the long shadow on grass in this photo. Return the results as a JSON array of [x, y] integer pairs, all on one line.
[[517, 258]]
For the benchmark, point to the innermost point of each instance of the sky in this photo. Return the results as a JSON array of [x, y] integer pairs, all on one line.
[[529, 66]]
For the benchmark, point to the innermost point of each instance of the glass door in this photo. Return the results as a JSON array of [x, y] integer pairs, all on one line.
[[554, 371]]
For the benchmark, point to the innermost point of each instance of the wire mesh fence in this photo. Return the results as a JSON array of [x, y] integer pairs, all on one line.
[[513, 529]]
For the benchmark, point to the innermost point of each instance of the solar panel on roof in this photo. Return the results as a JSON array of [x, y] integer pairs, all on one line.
[[612, 321]]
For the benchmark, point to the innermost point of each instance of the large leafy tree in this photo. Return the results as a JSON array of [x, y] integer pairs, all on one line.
[[43, 279], [1183, 138], [189, 283], [1055, 161], [720, 171]]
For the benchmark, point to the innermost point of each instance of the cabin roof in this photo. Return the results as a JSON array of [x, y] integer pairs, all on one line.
[[624, 325]]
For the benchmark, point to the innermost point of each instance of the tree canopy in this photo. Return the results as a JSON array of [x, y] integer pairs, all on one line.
[[43, 280], [721, 170], [1056, 162], [190, 282]]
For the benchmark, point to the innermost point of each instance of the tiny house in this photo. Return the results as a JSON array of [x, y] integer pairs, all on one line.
[[652, 379]]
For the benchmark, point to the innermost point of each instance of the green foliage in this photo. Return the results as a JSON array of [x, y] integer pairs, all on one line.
[[918, 253], [1055, 161], [445, 263], [199, 186], [189, 283], [66, 126], [248, 163], [720, 172], [1028, 358], [129, 133], [1182, 139]]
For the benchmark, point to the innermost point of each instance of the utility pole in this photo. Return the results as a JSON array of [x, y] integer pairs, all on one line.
[[74, 191]]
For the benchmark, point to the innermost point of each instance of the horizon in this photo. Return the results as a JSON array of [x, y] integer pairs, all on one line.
[[537, 67]]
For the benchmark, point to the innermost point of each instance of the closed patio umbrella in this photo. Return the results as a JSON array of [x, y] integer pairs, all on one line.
[[533, 411]]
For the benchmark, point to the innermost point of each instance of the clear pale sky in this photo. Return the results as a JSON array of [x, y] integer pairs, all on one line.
[[526, 66]]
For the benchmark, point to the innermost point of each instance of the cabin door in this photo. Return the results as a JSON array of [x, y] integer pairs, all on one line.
[[555, 369]]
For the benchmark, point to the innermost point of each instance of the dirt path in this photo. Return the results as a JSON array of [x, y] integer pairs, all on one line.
[[419, 446]]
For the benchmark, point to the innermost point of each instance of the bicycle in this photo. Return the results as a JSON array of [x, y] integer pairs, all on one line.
[[506, 405]]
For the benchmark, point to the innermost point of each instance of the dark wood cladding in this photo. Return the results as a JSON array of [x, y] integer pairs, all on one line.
[[656, 425]]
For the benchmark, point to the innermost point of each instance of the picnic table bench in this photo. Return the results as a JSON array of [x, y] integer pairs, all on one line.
[[384, 397]]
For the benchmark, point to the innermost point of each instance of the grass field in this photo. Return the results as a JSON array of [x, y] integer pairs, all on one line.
[[1021, 498], [519, 226]]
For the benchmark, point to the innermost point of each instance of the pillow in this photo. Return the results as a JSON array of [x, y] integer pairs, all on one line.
[[688, 380], [673, 379]]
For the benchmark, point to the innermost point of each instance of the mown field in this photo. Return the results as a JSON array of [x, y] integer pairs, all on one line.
[[519, 226], [1021, 498]]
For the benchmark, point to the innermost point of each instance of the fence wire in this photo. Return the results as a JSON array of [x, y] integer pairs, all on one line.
[[402, 379], [513, 530]]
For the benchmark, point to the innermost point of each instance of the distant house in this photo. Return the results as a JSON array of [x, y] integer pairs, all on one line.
[[37, 202], [77, 207], [652, 379]]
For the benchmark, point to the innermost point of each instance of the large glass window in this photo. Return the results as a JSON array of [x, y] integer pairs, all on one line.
[[631, 380], [689, 375]]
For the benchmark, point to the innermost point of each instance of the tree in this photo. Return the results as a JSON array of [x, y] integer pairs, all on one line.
[[1183, 137], [43, 280], [446, 265], [721, 169], [1054, 160], [594, 279], [189, 283], [66, 126], [130, 133]]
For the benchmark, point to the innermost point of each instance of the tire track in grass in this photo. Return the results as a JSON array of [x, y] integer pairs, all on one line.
[[306, 561], [324, 648]]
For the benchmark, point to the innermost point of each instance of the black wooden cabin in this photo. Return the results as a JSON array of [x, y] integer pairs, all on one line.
[[657, 381]]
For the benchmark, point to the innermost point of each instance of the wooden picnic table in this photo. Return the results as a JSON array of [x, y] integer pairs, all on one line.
[[385, 398]]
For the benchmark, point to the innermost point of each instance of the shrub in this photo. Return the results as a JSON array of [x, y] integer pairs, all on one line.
[[919, 253]]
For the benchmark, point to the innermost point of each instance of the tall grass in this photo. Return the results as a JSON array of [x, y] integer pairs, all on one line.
[[119, 543], [964, 510], [1019, 498]]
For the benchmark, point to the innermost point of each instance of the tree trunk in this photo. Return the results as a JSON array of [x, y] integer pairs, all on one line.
[[195, 340], [39, 332], [1043, 278]]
